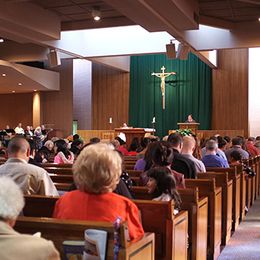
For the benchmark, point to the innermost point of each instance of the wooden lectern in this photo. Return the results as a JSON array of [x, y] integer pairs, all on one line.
[[193, 126], [131, 132]]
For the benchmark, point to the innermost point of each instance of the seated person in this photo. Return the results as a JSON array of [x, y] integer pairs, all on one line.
[[211, 159], [12, 244], [19, 130], [162, 185], [144, 164], [250, 147], [237, 145], [235, 158], [162, 156], [63, 154], [93, 140], [133, 147], [122, 148], [76, 147], [30, 178], [180, 163], [46, 153], [189, 145], [96, 174]]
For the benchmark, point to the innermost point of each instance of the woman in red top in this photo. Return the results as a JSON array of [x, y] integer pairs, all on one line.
[[96, 174]]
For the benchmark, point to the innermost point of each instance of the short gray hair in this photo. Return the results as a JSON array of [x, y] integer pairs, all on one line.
[[18, 144], [11, 199], [211, 145], [49, 143]]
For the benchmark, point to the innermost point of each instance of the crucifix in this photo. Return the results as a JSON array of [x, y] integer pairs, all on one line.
[[162, 75]]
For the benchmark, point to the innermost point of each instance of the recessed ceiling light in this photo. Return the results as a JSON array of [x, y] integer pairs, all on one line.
[[3, 74], [96, 14], [20, 84], [35, 90], [259, 19], [13, 91], [2, 40]]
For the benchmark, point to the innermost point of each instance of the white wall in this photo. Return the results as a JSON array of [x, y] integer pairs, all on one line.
[[254, 91]]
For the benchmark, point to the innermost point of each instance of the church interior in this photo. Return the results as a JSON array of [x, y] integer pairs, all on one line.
[[124, 70]]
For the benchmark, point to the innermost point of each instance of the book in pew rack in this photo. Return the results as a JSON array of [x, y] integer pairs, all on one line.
[[93, 248]]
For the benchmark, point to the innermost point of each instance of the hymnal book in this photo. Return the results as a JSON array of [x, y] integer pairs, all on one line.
[[95, 244], [73, 250]]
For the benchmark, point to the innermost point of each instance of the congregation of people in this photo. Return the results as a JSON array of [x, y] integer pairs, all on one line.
[[102, 187]]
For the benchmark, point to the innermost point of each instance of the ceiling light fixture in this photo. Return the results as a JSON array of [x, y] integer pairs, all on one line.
[[3, 75], [96, 14], [35, 90], [259, 19], [20, 84], [13, 91], [1, 40]]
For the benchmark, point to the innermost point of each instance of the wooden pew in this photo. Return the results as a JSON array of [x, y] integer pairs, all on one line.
[[251, 163], [227, 189], [59, 230], [61, 178], [58, 170], [62, 186], [258, 172], [243, 193], [198, 222], [207, 187], [232, 175], [166, 226], [133, 173], [56, 165], [198, 218]]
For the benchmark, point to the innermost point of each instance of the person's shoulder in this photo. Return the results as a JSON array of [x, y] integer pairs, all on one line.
[[46, 247], [34, 168]]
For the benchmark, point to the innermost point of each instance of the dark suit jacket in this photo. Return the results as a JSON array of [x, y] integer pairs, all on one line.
[[183, 165]]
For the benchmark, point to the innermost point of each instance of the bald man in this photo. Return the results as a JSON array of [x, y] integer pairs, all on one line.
[[30, 178], [188, 148]]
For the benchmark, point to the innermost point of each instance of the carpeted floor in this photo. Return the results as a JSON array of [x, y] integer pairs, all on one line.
[[245, 242]]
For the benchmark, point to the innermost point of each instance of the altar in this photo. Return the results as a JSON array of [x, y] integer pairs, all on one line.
[[131, 133]]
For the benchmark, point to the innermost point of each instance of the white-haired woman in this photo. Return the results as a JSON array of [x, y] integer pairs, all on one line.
[[12, 244], [96, 174]]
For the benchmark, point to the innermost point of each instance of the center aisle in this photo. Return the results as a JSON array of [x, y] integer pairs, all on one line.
[[245, 242]]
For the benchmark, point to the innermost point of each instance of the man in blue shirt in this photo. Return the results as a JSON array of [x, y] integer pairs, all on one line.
[[211, 159]]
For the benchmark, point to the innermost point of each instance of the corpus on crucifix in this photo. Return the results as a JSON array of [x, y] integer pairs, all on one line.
[[162, 75]]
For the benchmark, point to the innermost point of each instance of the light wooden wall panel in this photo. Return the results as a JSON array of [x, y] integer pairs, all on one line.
[[110, 94], [57, 106], [16, 108], [230, 91]]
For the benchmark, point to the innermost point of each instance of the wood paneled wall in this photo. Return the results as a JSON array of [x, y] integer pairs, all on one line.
[[16, 108], [57, 106], [110, 94], [230, 91]]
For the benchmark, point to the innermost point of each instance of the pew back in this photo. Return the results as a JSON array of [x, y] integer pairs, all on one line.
[[59, 230]]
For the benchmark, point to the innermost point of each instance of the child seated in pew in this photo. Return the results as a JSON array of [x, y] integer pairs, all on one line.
[[14, 245], [161, 184]]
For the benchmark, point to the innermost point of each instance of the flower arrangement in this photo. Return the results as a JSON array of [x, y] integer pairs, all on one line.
[[185, 132]]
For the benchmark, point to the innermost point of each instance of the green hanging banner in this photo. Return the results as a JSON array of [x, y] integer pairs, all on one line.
[[188, 91]]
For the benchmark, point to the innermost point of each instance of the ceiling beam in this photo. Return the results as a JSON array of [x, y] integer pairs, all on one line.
[[28, 22], [90, 24]]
